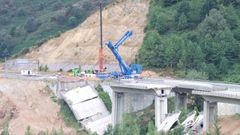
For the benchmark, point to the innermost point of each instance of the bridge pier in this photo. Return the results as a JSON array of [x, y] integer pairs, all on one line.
[[117, 107], [181, 101], [210, 114], [160, 110]]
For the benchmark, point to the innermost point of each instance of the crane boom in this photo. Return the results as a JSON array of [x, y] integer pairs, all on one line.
[[125, 37], [125, 70]]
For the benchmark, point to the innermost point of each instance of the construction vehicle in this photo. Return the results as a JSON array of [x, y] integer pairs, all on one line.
[[76, 71], [126, 72]]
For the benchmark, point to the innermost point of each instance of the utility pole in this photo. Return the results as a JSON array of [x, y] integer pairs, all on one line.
[[101, 41]]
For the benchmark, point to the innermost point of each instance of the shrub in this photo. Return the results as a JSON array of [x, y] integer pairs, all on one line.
[[28, 131], [105, 97], [66, 114], [31, 25], [193, 74], [169, 2], [72, 21], [5, 130]]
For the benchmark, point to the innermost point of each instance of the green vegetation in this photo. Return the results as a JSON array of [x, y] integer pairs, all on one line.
[[171, 104], [67, 115], [200, 38], [28, 131], [24, 23], [105, 98], [236, 116], [5, 130], [53, 132], [130, 126]]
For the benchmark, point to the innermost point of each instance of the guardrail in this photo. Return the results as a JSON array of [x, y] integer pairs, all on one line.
[[229, 94]]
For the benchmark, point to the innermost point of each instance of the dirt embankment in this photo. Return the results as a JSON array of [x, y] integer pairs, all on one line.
[[80, 45], [230, 125], [27, 103]]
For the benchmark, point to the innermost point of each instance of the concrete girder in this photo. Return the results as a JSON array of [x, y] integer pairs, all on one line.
[[222, 99]]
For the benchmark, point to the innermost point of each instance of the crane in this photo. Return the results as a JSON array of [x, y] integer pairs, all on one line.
[[126, 71]]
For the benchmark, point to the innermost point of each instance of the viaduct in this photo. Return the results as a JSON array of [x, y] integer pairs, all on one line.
[[160, 89]]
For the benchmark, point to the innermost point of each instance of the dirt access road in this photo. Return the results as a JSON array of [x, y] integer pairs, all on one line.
[[27, 103]]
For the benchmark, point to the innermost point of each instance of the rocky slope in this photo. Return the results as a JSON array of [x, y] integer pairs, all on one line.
[[80, 45], [27, 103]]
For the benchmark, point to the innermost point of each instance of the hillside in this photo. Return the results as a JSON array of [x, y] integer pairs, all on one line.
[[28, 103], [198, 39], [80, 45], [24, 23]]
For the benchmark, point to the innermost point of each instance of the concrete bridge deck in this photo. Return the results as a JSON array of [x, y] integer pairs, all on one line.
[[212, 93]]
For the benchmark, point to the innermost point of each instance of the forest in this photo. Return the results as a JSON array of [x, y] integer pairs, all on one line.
[[27, 23], [198, 38]]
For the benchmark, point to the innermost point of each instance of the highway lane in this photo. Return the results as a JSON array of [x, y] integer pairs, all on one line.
[[32, 77]]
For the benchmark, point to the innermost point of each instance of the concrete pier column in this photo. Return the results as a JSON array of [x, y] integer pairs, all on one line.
[[181, 101], [117, 107], [160, 110], [210, 114]]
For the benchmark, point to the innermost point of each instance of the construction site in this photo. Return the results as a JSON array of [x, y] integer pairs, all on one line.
[[92, 71]]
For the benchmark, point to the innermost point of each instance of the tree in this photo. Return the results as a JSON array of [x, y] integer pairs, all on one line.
[[207, 6], [217, 40], [236, 33], [193, 74], [233, 74], [128, 126], [231, 16], [182, 22], [45, 68], [235, 3], [6, 44], [192, 56], [184, 8], [173, 50], [212, 71], [169, 2], [31, 25], [162, 25], [72, 21], [212, 24], [109, 130], [152, 51], [152, 129], [224, 65]]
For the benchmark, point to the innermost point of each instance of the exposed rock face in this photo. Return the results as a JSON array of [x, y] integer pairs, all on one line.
[[23, 103], [80, 45]]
